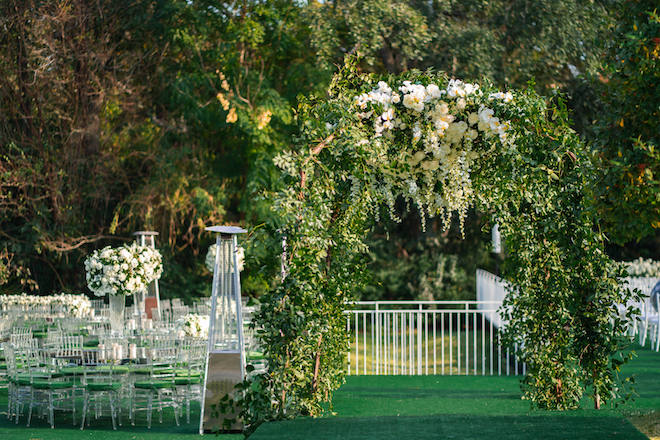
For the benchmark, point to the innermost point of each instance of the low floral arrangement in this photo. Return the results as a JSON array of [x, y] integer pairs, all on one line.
[[123, 270], [78, 306], [643, 267], [210, 257], [194, 326]]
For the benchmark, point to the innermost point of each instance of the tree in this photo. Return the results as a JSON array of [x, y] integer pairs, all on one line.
[[138, 115], [626, 126]]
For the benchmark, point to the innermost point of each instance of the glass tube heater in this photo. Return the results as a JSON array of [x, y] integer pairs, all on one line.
[[225, 364]]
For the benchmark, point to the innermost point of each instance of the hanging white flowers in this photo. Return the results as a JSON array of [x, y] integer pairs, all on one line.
[[446, 129], [210, 257], [122, 271]]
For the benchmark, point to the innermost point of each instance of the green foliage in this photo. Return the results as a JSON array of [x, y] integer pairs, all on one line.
[[626, 146], [159, 116], [406, 263], [509, 42]]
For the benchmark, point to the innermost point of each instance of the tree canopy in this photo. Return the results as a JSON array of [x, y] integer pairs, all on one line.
[[140, 115]]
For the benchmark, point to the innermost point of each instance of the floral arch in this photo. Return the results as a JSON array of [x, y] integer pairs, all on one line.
[[442, 146]]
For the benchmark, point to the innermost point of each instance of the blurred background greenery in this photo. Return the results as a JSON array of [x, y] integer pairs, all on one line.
[[134, 114]]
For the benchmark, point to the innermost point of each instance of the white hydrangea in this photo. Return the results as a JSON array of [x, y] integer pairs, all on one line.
[[122, 271], [194, 326]]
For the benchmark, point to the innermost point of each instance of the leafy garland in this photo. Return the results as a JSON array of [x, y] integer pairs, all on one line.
[[441, 146]]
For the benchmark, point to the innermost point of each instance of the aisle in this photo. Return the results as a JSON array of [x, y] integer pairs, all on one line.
[[439, 407]]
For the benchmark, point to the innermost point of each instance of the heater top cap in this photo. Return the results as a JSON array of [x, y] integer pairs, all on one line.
[[226, 229]]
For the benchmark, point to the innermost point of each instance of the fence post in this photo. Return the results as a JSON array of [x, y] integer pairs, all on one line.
[[419, 341]]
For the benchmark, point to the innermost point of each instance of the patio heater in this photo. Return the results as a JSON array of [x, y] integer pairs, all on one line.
[[149, 302], [225, 361]]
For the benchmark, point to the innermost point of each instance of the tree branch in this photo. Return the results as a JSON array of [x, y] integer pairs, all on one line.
[[64, 246]]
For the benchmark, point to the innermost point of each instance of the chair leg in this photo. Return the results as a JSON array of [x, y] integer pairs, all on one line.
[[176, 411], [84, 411], [18, 408], [51, 410], [29, 410], [73, 405], [131, 409], [9, 401], [118, 397], [111, 398], [149, 408], [188, 393]]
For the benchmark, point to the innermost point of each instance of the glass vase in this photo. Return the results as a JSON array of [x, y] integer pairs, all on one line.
[[138, 306], [117, 306]]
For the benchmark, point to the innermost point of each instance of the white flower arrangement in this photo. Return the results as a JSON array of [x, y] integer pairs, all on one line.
[[210, 257], [194, 326], [643, 267], [449, 129], [78, 306], [123, 270]]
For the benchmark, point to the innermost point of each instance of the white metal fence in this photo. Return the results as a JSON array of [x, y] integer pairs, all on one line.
[[427, 337], [491, 291], [647, 326], [456, 337]]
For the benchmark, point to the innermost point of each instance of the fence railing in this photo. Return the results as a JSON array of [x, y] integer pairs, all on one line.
[[427, 337], [491, 291]]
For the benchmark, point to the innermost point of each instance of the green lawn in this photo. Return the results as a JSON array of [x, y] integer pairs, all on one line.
[[415, 407], [470, 407]]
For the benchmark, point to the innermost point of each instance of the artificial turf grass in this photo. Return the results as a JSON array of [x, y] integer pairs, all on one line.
[[421, 407], [470, 407], [452, 427]]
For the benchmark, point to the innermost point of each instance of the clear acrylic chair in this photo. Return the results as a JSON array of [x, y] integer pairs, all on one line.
[[17, 394], [190, 372], [49, 389], [21, 336], [102, 385], [53, 338], [70, 347], [156, 389]]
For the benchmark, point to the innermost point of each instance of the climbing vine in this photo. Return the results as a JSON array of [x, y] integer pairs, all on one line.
[[421, 141]]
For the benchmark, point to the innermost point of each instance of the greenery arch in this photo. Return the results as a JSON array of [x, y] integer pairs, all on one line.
[[441, 146]]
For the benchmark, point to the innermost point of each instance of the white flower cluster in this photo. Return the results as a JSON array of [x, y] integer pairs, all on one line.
[[78, 306], [643, 267], [123, 270], [194, 326], [448, 129], [506, 97], [210, 257]]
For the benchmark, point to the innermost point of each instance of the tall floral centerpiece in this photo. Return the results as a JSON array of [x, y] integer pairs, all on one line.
[[121, 272]]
